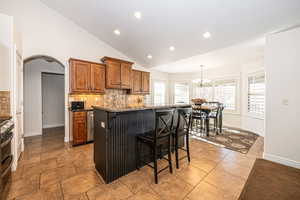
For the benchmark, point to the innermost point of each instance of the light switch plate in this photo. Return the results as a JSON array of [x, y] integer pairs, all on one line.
[[102, 124], [285, 102]]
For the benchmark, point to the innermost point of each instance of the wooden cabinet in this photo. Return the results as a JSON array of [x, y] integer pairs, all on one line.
[[80, 73], [79, 127], [146, 82], [86, 77], [118, 73], [140, 82], [136, 81], [97, 78]]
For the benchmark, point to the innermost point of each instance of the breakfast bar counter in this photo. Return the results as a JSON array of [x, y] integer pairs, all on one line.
[[115, 131]]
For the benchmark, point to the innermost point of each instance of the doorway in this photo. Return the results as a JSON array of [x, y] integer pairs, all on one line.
[[44, 100]]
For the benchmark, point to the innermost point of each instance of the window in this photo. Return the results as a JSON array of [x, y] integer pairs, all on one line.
[[225, 92], [205, 92], [159, 95], [181, 93], [256, 94]]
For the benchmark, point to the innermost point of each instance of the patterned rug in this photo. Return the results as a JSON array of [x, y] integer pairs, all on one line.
[[236, 140]]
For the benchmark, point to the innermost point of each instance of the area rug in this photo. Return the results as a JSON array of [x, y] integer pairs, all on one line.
[[270, 181], [236, 140]]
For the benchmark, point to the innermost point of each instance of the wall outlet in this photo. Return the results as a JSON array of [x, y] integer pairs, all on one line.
[[102, 124]]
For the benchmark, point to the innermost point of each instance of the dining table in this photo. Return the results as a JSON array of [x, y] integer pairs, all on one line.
[[207, 109]]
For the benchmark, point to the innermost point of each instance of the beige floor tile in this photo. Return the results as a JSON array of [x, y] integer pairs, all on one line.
[[203, 164], [80, 183], [145, 193], [190, 174], [205, 191], [136, 180], [170, 187], [112, 191], [229, 183]]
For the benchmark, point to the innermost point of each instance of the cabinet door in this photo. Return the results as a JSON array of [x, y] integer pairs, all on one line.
[[80, 76], [126, 76], [145, 82], [97, 78], [113, 75], [136, 81], [79, 128]]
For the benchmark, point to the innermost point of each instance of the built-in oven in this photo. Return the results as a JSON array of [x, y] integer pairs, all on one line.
[[6, 158]]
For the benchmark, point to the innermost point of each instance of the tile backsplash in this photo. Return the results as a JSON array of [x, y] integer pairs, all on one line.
[[4, 103], [111, 98]]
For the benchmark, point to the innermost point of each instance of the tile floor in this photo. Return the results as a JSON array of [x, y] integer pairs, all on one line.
[[50, 169]]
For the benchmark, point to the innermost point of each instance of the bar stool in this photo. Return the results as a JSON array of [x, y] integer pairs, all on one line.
[[182, 129], [157, 141]]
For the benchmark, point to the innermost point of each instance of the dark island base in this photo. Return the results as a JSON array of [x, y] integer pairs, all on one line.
[[115, 140]]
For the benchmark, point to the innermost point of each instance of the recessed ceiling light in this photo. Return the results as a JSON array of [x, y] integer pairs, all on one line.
[[138, 14], [149, 56], [117, 32], [207, 35], [172, 48]]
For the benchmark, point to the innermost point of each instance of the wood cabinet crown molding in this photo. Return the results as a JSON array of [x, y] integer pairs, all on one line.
[[106, 58], [86, 61]]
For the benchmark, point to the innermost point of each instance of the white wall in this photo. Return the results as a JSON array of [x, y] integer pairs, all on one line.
[[283, 97], [240, 119], [46, 32], [6, 23], [33, 93], [53, 95]]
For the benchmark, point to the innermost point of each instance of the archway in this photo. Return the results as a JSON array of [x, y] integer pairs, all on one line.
[[44, 96]]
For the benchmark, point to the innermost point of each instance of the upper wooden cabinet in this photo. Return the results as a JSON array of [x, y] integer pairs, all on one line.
[[118, 73], [86, 77], [140, 82], [146, 82]]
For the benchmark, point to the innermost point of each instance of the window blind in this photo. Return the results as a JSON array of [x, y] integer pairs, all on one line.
[[181, 93], [256, 94], [225, 92]]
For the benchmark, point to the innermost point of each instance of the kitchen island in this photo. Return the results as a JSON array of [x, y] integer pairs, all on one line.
[[115, 131]]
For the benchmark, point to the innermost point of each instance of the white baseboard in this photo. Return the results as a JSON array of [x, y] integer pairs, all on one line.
[[281, 160], [67, 139], [32, 134], [53, 126]]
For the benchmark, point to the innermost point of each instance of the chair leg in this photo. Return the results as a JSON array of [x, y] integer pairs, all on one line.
[[155, 164], [188, 147], [169, 156], [176, 152], [137, 161]]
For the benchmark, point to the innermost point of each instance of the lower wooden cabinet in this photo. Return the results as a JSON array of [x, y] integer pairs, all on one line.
[[79, 127]]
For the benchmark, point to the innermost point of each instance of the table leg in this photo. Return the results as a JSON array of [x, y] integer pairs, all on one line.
[[220, 122], [207, 126]]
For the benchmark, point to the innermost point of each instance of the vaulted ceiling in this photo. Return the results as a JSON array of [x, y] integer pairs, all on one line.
[[178, 23]]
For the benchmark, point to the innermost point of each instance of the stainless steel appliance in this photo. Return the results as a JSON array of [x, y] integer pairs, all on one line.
[[6, 157], [90, 126]]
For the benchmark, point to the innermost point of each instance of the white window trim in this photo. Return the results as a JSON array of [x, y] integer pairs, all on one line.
[[153, 90], [173, 89], [249, 114]]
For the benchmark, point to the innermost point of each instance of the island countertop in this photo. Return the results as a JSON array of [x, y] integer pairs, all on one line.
[[137, 108]]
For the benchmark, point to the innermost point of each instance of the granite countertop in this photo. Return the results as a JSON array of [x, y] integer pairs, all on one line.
[[81, 110], [137, 108]]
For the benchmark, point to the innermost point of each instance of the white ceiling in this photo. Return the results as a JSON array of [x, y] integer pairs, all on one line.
[[179, 23], [234, 55]]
